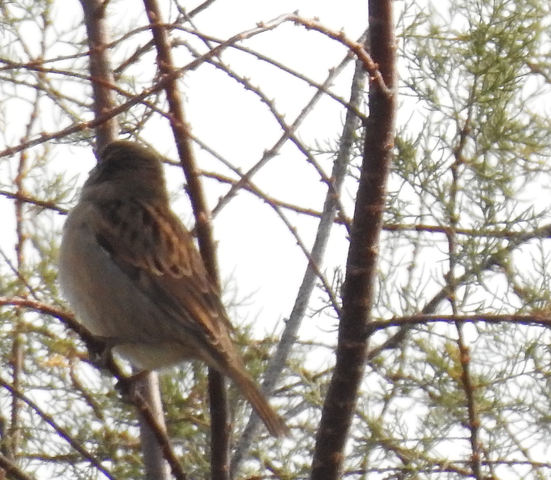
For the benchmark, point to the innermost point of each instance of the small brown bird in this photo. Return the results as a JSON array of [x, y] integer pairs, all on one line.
[[132, 273]]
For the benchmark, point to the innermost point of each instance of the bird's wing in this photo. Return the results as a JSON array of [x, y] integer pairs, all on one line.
[[152, 247]]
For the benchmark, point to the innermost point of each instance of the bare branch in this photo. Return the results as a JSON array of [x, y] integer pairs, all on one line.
[[358, 48], [359, 286], [220, 423], [60, 430], [12, 470], [306, 288], [538, 319], [160, 85], [100, 68]]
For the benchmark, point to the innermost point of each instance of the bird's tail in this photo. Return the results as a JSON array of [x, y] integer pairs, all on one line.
[[274, 423]]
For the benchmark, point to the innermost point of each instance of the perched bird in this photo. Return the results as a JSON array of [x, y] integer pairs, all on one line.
[[135, 279]]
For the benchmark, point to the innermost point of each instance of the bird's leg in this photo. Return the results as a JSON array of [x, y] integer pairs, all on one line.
[[100, 350], [129, 386]]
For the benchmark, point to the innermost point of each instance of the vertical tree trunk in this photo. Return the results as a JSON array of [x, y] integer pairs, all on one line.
[[359, 286]]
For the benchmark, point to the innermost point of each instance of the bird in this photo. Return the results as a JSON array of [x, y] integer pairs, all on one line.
[[134, 278]]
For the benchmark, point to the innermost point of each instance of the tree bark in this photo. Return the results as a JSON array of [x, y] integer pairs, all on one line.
[[359, 286]]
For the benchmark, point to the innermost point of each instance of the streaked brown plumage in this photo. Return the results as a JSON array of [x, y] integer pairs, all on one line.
[[132, 273]]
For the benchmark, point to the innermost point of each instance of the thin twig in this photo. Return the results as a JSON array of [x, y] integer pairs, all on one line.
[[108, 363], [60, 430], [288, 338], [536, 319], [357, 47], [160, 85], [11, 470]]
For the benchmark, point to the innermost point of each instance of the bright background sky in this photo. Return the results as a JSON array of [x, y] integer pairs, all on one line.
[[258, 257]]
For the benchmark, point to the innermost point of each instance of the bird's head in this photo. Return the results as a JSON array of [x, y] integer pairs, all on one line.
[[129, 168]]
